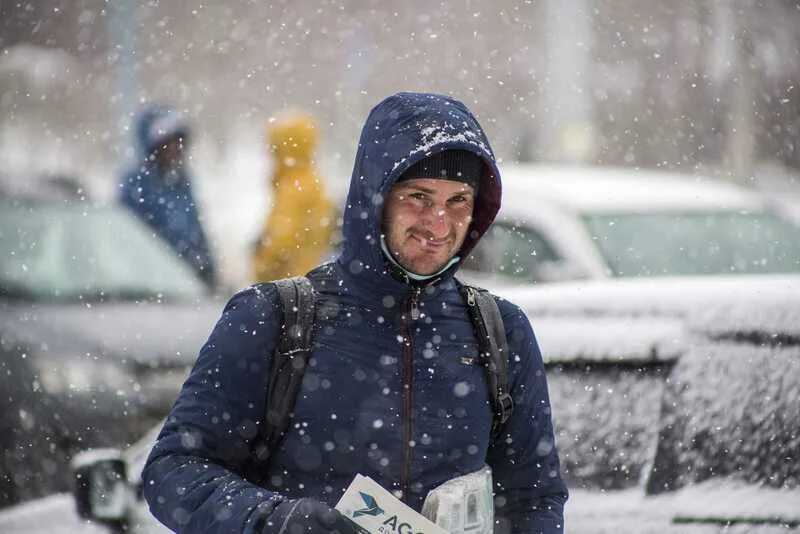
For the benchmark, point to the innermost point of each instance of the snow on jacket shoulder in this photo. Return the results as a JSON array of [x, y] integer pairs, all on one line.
[[402, 399]]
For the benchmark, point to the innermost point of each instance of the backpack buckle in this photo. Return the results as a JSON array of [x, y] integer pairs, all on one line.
[[505, 407]]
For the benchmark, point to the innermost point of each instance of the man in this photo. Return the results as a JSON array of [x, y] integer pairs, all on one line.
[[393, 389], [159, 189], [297, 233]]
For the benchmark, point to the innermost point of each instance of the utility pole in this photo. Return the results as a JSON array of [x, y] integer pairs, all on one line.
[[122, 22], [566, 132]]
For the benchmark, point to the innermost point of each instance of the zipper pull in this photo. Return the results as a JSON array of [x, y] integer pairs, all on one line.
[[470, 297], [414, 305]]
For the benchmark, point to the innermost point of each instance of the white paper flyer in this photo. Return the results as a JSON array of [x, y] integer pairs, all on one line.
[[377, 511]]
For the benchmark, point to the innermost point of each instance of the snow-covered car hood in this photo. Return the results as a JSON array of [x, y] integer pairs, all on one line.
[[141, 333], [750, 302], [652, 319]]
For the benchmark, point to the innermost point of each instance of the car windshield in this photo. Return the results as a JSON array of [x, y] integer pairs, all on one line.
[[61, 252], [658, 244], [512, 251]]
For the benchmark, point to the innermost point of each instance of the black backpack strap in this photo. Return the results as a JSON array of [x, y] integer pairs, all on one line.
[[287, 369], [491, 333]]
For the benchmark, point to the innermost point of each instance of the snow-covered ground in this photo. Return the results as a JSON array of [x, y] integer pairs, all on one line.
[[588, 512], [630, 511], [54, 514]]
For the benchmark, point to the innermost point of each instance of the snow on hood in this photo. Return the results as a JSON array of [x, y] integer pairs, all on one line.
[[651, 319], [145, 333], [610, 339], [770, 303]]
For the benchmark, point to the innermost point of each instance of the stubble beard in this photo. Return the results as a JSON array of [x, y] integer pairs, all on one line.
[[422, 270]]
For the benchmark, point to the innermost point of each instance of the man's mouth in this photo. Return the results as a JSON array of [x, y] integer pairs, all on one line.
[[428, 241]]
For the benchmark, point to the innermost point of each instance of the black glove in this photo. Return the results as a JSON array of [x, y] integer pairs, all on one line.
[[307, 516]]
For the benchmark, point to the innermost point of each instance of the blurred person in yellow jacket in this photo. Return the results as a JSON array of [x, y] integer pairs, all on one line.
[[297, 233]]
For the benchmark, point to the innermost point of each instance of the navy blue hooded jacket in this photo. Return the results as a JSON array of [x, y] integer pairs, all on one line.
[[163, 197], [398, 399]]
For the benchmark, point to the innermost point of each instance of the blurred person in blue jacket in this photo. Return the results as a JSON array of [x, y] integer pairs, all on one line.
[[159, 189], [395, 388]]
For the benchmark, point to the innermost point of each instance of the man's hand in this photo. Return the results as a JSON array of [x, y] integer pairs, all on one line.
[[307, 516]]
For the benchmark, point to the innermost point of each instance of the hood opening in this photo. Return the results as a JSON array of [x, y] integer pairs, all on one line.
[[399, 132]]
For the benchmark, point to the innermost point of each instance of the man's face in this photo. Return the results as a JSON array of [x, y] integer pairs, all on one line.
[[170, 152], [425, 221]]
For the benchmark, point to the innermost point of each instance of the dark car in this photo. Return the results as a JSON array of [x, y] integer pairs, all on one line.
[[661, 384], [99, 321], [675, 403]]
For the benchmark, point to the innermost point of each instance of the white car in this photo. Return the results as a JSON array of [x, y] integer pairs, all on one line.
[[564, 223]]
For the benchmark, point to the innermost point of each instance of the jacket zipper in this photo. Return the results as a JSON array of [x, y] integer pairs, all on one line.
[[482, 331], [408, 383]]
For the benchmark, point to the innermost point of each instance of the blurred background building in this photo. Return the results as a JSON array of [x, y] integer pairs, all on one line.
[[702, 85]]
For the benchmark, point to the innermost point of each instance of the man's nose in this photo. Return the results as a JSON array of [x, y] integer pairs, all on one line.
[[436, 221]]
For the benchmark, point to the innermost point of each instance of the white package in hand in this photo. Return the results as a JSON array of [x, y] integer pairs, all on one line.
[[376, 511], [463, 505]]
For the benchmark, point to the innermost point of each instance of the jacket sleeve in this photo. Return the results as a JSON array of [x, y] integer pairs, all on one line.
[[529, 491], [193, 480]]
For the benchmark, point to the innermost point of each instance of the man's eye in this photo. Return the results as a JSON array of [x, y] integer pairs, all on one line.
[[418, 196]]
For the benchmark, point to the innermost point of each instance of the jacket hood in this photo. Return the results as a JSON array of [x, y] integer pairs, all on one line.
[[293, 140], [400, 131], [158, 123]]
